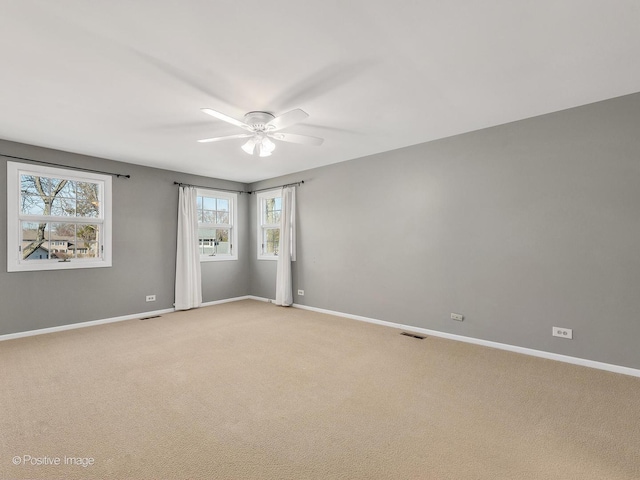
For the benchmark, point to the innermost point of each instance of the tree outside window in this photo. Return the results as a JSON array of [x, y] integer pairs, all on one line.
[[57, 216]]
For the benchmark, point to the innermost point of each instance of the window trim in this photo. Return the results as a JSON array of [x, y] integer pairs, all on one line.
[[14, 261], [275, 193], [233, 216]]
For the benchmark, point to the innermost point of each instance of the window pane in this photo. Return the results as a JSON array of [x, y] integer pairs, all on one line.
[[86, 233], [69, 190], [268, 204], [34, 241], [32, 205], [63, 231], [208, 216], [63, 207], [88, 195], [222, 217], [28, 185], [89, 250], [87, 241], [208, 203], [42, 185], [222, 234], [64, 235], [87, 191], [223, 246], [273, 216], [88, 209], [55, 185], [223, 204], [64, 202], [272, 210], [199, 200], [206, 237], [271, 241]]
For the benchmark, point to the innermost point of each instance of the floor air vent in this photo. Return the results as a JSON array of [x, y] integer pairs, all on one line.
[[413, 335], [148, 318]]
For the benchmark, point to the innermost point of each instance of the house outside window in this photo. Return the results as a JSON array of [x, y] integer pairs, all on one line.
[[217, 225], [57, 218]]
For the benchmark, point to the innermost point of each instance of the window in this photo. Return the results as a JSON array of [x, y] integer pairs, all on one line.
[[217, 232], [54, 207], [269, 208]]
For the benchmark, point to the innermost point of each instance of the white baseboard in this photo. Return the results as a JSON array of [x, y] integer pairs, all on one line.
[[61, 328], [227, 300], [42, 331], [260, 299], [501, 346]]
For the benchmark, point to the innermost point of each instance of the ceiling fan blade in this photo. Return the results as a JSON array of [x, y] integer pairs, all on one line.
[[294, 138], [287, 119], [228, 137], [226, 118]]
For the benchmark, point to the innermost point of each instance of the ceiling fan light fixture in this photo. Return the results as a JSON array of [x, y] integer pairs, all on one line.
[[264, 151], [268, 145], [250, 146]]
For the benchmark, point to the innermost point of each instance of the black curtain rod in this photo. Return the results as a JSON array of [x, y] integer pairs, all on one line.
[[118, 175], [297, 184], [208, 188]]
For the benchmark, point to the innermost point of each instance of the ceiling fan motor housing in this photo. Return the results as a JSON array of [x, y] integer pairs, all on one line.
[[258, 120], [263, 126]]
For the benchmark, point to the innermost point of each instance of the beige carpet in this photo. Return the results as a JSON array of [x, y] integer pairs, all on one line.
[[248, 390]]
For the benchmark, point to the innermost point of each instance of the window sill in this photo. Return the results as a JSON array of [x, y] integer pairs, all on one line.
[[215, 258], [56, 265]]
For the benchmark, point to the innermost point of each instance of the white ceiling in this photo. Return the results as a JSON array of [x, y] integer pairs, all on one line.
[[125, 80]]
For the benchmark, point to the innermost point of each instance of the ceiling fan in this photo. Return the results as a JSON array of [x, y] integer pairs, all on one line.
[[262, 127]]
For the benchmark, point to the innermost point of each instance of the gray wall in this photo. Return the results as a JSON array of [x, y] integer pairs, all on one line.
[[519, 227], [144, 243]]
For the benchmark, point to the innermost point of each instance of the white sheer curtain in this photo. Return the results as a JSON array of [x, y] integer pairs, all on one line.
[[188, 281], [287, 249]]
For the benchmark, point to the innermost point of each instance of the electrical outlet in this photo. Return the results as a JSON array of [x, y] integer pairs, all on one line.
[[150, 298], [301, 293], [563, 332], [457, 316]]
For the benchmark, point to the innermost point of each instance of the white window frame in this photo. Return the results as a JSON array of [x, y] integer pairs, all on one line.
[[15, 262], [261, 197], [232, 225]]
